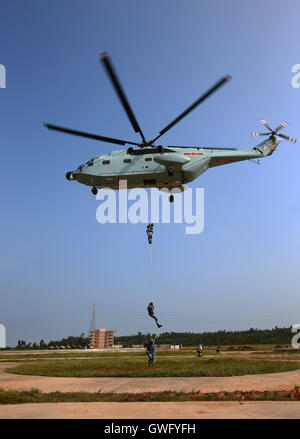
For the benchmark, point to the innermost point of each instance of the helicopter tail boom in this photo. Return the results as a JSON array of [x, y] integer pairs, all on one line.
[[267, 147]]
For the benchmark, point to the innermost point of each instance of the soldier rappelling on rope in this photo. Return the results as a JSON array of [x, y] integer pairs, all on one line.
[[149, 232], [150, 309]]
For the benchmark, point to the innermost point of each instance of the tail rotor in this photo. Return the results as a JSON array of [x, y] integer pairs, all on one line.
[[272, 132]]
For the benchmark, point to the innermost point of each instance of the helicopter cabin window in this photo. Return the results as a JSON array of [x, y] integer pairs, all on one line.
[[148, 159], [106, 162], [150, 182], [127, 161]]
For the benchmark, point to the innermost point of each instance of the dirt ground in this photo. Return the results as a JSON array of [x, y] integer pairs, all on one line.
[[154, 410]]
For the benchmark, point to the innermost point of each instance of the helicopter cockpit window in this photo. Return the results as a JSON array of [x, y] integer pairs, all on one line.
[[106, 162], [90, 162]]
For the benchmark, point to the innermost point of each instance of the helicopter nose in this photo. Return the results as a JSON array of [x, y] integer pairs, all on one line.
[[69, 175]]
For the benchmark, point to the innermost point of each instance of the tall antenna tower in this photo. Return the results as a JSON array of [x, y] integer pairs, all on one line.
[[93, 321]]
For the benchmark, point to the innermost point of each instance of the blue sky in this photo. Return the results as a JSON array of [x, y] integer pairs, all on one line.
[[56, 260]]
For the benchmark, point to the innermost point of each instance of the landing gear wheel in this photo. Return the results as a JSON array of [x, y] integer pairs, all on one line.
[[171, 198], [94, 190]]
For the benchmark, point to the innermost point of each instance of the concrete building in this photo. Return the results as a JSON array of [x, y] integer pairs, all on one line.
[[101, 338]]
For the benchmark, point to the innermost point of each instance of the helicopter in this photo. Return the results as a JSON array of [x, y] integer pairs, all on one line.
[[145, 164]]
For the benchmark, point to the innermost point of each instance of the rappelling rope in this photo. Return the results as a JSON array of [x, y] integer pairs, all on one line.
[[154, 339], [151, 287], [149, 232]]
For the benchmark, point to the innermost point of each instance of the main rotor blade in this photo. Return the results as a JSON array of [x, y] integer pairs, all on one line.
[[203, 147], [291, 139], [259, 134], [89, 135], [117, 85], [282, 125], [194, 105], [265, 123]]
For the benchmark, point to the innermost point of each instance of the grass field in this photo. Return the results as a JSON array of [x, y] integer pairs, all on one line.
[[164, 366], [140, 353], [35, 396], [188, 351]]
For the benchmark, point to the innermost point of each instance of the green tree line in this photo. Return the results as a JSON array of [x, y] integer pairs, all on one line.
[[222, 337]]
